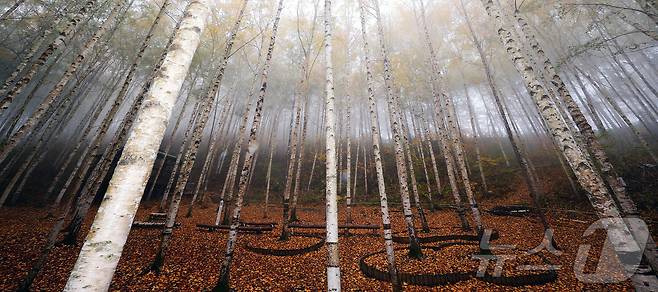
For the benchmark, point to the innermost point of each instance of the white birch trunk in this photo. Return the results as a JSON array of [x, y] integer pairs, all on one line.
[[102, 249], [374, 127], [333, 261], [225, 268]]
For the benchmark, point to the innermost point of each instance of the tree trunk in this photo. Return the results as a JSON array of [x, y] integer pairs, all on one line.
[[475, 127], [103, 246], [63, 38], [269, 166], [170, 140], [206, 105], [374, 128], [414, 246], [598, 191], [523, 161], [285, 233], [588, 177], [443, 133], [333, 261], [223, 283], [47, 102]]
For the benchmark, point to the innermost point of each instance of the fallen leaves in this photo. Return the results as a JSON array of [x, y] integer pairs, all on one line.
[[193, 261]]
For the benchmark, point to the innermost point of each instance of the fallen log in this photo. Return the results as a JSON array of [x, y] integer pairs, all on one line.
[[258, 223], [143, 224], [157, 216], [511, 210], [340, 226], [256, 229]]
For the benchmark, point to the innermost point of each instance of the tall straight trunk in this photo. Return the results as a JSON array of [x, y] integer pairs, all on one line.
[[269, 165], [229, 182], [47, 102], [310, 177], [191, 152], [333, 260], [102, 249], [376, 149], [421, 146], [225, 123], [619, 234], [412, 174], [444, 132], [453, 133], [285, 233], [414, 246], [475, 127], [223, 283], [300, 161], [348, 130], [426, 138], [63, 38], [317, 146]]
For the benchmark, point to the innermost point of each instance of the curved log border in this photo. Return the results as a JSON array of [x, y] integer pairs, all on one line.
[[287, 252], [429, 280], [437, 238], [522, 280], [432, 280]]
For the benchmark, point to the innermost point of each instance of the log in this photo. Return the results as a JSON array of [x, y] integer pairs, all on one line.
[[340, 226], [159, 216], [142, 224], [257, 229], [258, 223]]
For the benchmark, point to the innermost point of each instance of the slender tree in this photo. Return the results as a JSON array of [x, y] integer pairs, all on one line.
[[333, 261], [376, 149], [414, 246], [225, 268]]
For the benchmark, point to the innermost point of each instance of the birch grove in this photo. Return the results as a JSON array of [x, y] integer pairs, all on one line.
[[331, 145]]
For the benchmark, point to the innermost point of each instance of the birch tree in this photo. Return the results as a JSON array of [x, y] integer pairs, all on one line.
[[192, 149], [375, 136], [102, 249], [333, 260], [414, 247], [223, 283]]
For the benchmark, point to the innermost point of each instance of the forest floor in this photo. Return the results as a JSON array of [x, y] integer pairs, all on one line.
[[194, 256]]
